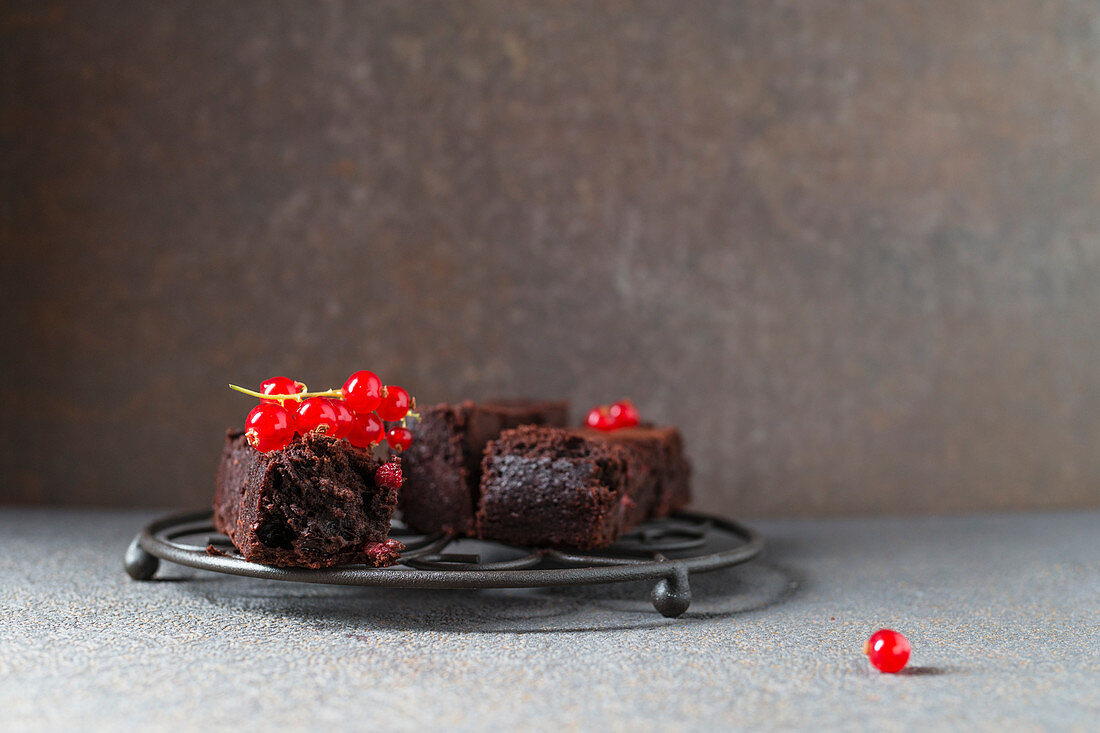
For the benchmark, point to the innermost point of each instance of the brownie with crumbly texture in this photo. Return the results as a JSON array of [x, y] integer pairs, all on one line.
[[552, 487], [316, 503], [657, 455], [443, 465]]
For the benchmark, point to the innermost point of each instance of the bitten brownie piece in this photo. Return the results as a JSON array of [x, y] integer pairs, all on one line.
[[657, 454], [316, 503], [443, 465], [550, 487]]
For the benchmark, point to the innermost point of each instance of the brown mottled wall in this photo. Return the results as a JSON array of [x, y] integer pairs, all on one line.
[[852, 248]]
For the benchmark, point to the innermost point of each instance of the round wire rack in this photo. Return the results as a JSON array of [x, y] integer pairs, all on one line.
[[666, 550]]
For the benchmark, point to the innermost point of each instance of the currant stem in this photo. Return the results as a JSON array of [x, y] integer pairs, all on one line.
[[297, 397]]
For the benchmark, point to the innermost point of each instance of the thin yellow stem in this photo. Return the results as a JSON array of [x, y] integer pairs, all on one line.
[[297, 397]]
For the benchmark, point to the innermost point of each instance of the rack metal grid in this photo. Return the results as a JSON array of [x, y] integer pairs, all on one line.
[[666, 550]]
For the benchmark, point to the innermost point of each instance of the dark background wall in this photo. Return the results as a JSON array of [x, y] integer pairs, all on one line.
[[852, 248]]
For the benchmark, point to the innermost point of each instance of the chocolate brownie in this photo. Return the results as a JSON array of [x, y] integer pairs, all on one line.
[[443, 465], [657, 454], [554, 487], [316, 503]]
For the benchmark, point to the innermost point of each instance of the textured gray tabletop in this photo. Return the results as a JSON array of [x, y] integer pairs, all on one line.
[[1003, 613]]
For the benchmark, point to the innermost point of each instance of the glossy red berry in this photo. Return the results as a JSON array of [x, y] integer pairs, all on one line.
[[363, 392], [624, 414], [282, 385], [317, 411], [389, 475], [600, 418], [367, 430], [399, 438], [269, 426], [887, 650], [395, 403], [345, 420]]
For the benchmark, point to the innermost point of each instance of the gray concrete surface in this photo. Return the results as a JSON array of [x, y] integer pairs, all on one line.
[[1002, 612]]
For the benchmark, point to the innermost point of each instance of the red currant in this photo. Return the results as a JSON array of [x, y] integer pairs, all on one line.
[[399, 438], [624, 414], [317, 411], [269, 426], [366, 431], [345, 420], [282, 385], [600, 418], [888, 650], [395, 403], [363, 391], [389, 475]]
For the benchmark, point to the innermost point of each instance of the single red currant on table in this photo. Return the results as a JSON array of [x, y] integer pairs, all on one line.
[[887, 650], [399, 438], [363, 392], [367, 430], [269, 426], [395, 403], [317, 411], [282, 385]]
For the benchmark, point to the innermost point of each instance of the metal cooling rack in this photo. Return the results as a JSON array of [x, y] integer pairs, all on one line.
[[666, 550]]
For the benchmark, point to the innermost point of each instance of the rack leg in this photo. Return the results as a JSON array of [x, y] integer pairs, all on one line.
[[140, 565], [672, 595]]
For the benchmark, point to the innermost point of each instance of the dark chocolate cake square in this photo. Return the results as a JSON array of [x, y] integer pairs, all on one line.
[[443, 466], [316, 503], [550, 487], [656, 455]]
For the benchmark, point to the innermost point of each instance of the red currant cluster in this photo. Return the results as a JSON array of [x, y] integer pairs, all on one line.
[[621, 414], [356, 412]]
